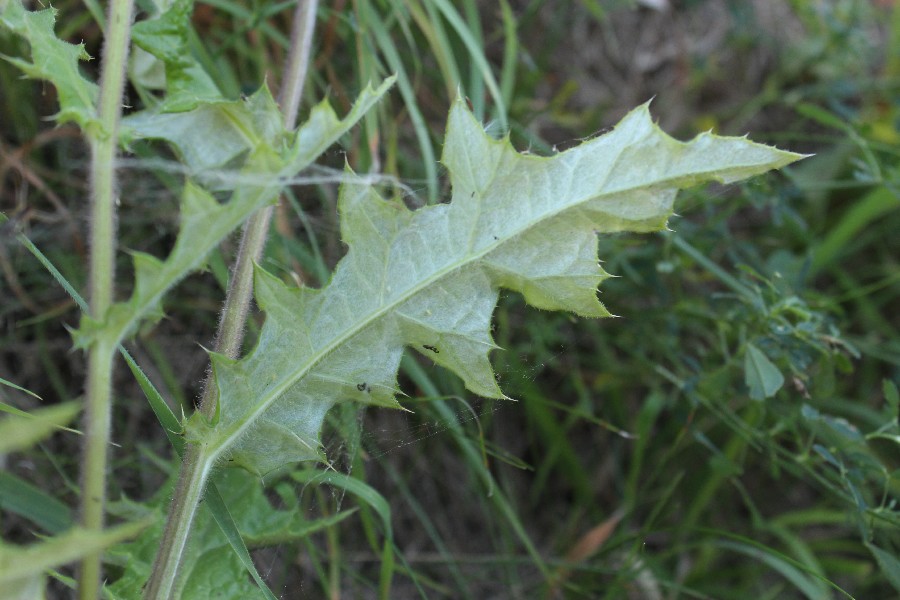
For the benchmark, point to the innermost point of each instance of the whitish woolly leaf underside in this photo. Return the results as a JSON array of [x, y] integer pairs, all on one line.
[[429, 279]]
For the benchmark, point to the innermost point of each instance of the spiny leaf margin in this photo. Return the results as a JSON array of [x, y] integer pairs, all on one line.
[[54, 60], [430, 278]]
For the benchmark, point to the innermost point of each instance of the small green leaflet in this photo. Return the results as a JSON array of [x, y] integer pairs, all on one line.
[[429, 279], [761, 376]]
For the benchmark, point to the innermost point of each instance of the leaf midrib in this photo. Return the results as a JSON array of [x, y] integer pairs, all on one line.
[[229, 436], [219, 441]]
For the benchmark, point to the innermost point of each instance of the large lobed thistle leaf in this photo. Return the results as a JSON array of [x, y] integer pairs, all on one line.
[[429, 278]]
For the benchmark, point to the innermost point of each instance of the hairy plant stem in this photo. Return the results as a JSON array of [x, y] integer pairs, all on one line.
[[196, 465], [103, 143]]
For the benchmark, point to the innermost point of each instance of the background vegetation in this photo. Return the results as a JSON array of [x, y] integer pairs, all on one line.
[[650, 456]]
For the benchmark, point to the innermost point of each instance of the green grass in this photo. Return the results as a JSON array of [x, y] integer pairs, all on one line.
[[646, 418]]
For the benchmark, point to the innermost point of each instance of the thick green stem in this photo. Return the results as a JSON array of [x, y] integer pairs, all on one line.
[[196, 466], [102, 278], [192, 480], [94, 461]]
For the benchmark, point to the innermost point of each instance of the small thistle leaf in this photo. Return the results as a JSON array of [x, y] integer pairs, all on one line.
[[205, 222], [53, 60], [430, 278], [165, 37]]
